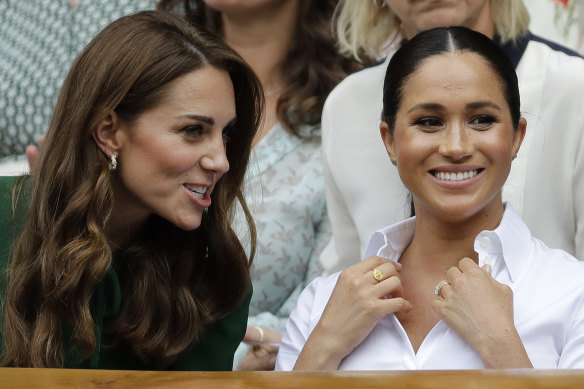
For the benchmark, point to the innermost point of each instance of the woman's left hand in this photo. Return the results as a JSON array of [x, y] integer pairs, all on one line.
[[263, 349], [480, 310]]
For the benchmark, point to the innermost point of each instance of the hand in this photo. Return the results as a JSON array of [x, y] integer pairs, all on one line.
[[262, 353], [356, 305], [32, 153], [480, 310]]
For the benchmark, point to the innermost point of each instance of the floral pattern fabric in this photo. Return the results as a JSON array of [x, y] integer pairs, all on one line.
[[285, 192]]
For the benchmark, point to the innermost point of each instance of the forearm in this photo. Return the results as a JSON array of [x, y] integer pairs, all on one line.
[[318, 354]]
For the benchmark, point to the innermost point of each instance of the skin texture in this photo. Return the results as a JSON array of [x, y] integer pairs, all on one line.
[[452, 117], [179, 142], [437, 128], [421, 15]]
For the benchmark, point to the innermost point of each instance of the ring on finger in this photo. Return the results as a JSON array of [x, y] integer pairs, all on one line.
[[261, 331], [439, 287], [378, 275]]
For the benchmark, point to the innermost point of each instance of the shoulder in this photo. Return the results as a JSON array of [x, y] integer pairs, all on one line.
[[359, 85], [556, 63], [559, 267]]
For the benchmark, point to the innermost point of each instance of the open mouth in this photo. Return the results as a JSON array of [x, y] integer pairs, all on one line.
[[456, 176], [197, 191]]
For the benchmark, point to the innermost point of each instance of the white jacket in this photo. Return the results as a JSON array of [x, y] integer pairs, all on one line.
[[546, 183]]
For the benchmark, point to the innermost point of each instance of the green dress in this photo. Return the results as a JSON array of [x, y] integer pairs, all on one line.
[[213, 351]]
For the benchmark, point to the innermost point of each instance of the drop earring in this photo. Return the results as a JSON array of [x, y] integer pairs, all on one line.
[[393, 161], [113, 163]]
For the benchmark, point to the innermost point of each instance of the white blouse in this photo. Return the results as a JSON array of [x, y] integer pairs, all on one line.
[[548, 291]]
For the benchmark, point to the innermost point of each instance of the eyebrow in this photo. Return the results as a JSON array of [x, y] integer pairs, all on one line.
[[208, 120], [440, 107], [204, 119]]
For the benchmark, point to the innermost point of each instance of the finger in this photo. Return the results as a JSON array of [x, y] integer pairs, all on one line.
[[467, 264], [381, 272], [438, 305], [488, 269], [373, 262], [32, 154], [397, 304], [453, 274], [391, 286], [254, 334], [445, 291]]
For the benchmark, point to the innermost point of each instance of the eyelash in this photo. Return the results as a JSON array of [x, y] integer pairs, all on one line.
[[193, 130], [432, 123]]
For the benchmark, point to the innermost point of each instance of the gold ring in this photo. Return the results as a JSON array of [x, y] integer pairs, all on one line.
[[377, 274], [261, 331], [439, 286]]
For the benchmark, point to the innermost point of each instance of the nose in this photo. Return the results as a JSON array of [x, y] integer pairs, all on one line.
[[456, 143], [215, 157]]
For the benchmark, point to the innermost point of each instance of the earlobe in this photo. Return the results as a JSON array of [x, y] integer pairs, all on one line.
[[106, 135], [388, 142]]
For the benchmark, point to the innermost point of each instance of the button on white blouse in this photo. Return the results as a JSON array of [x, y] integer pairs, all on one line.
[[548, 291]]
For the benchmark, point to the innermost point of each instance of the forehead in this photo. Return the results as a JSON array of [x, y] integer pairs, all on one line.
[[453, 77], [207, 88]]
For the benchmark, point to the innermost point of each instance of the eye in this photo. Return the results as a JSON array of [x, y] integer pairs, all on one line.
[[228, 133], [428, 123], [482, 121], [192, 130]]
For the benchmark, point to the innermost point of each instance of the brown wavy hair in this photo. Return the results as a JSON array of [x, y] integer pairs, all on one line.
[[173, 281], [311, 68]]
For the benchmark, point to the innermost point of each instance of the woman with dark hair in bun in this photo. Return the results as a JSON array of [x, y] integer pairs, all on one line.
[[463, 284]]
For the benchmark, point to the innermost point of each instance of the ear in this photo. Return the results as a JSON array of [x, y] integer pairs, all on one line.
[[388, 140], [107, 135], [519, 135]]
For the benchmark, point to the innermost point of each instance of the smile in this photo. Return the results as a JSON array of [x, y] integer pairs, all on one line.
[[456, 176], [197, 191]]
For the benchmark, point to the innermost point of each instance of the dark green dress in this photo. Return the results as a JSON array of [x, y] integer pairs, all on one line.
[[213, 351]]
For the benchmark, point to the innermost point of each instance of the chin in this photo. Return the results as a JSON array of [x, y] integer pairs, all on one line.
[[188, 225]]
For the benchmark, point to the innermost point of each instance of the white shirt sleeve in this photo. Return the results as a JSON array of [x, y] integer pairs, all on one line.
[[297, 330], [572, 355]]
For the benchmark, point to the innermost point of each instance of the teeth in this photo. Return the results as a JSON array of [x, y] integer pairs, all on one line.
[[456, 176], [197, 191]]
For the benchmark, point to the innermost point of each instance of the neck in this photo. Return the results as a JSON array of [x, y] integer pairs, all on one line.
[[438, 245], [263, 38]]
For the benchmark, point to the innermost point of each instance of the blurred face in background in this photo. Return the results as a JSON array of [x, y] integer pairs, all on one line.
[[243, 7], [421, 15]]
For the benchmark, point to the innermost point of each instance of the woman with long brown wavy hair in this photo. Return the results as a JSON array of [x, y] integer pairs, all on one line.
[[289, 45], [120, 252]]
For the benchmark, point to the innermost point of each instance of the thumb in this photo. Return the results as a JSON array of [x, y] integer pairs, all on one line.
[[253, 334]]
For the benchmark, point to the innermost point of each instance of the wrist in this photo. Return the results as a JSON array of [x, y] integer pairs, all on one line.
[[503, 351], [320, 352]]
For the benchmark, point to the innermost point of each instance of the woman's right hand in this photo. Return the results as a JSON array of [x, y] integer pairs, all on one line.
[[356, 305]]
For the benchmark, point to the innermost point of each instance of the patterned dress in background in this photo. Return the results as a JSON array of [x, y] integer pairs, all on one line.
[[39, 39], [285, 192]]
